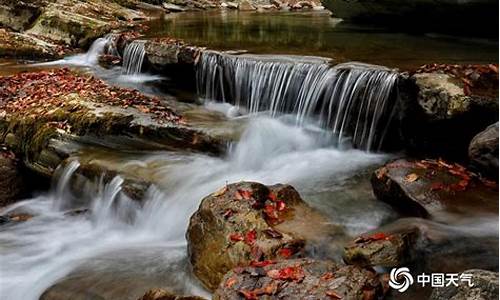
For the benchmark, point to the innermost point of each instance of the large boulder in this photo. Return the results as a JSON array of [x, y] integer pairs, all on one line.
[[483, 151], [451, 16], [424, 246], [300, 279], [250, 223], [442, 107], [12, 183], [434, 188], [485, 287]]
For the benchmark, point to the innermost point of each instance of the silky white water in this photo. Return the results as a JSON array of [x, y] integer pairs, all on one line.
[[355, 101], [38, 252]]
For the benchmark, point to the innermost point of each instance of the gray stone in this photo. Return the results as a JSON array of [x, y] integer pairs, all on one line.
[[485, 288], [483, 151]]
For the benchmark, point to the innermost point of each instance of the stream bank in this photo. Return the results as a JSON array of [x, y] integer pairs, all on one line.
[[132, 158]]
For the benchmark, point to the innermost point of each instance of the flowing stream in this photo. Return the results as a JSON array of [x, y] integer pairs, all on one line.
[[37, 253], [352, 99], [293, 107]]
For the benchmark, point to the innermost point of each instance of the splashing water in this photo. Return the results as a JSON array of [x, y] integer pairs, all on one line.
[[133, 57], [89, 59], [40, 251], [354, 100]]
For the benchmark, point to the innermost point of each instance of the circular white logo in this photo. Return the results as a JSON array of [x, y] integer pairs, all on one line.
[[398, 274]]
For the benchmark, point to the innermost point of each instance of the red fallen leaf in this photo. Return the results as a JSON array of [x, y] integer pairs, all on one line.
[[260, 264], [228, 213], [249, 295], [285, 252], [273, 233], [270, 211], [272, 196], [288, 273], [333, 294], [327, 276], [280, 205], [231, 281], [237, 195], [250, 237], [236, 237], [247, 195], [377, 236]]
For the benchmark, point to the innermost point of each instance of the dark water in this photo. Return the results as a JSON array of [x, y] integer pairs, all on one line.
[[316, 33]]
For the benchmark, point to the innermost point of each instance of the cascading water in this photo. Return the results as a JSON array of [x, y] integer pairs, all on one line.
[[354, 100], [133, 57], [150, 245]]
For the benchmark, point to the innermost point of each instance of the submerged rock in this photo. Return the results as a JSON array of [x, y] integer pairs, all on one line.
[[12, 182], [432, 188], [249, 223], [485, 286], [483, 151], [300, 279]]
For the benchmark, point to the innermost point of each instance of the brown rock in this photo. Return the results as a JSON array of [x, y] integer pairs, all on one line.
[[12, 185], [160, 294], [248, 222], [245, 5], [483, 151], [300, 279], [429, 188], [381, 249]]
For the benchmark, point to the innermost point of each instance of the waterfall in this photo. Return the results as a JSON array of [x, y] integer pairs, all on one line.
[[354, 99], [133, 57]]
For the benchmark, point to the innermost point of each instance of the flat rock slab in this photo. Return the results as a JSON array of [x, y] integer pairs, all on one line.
[[300, 279], [434, 189]]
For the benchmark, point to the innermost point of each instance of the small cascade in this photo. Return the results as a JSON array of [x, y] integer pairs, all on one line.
[[133, 57], [354, 100], [62, 195]]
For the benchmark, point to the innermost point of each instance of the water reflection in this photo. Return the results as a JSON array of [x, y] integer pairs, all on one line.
[[316, 33]]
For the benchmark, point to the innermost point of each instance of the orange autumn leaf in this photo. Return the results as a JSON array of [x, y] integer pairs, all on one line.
[[250, 237], [236, 237]]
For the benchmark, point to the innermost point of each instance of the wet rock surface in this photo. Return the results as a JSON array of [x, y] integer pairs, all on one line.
[[86, 109], [381, 249], [485, 286], [443, 107], [12, 181], [422, 244], [160, 294], [434, 188], [300, 279], [483, 151], [249, 223]]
